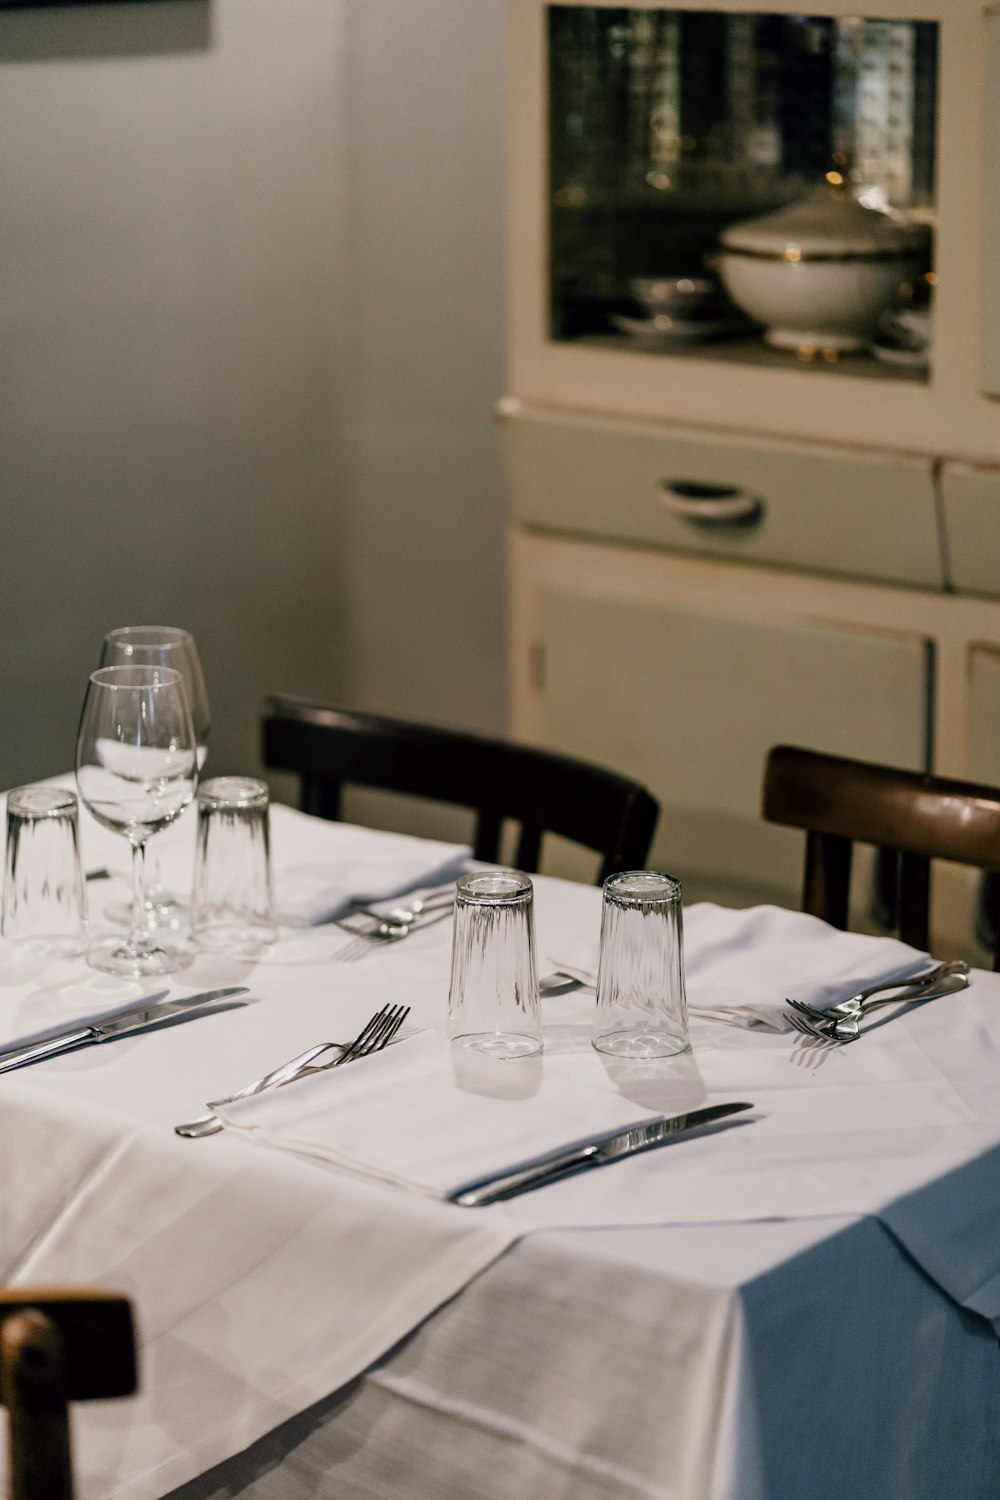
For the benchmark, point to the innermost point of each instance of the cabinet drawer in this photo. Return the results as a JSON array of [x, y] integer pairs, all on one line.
[[823, 510], [971, 498]]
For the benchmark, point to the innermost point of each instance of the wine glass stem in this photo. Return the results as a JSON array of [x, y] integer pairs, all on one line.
[[153, 884], [140, 923]]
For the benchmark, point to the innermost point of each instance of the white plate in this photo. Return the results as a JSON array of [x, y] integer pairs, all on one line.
[[897, 355], [665, 330]]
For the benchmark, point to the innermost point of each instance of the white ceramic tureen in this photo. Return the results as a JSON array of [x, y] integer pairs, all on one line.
[[819, 272]]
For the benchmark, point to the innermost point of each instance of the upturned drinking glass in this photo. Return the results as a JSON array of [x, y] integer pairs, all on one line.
[[493, 1002], [641, 1004], [231, 905], [44, 895], [136, 771]]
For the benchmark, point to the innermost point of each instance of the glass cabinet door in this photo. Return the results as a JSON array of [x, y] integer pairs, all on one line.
[[747, 186]]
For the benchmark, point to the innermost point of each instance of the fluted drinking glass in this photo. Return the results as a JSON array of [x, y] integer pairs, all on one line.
[[641, 1002], [493, 1003]]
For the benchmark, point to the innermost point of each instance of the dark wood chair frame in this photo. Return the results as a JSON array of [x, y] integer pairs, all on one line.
[[330, 747], [917, 816], [57, 1345]]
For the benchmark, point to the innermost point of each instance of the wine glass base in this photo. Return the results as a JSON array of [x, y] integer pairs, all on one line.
[[116, 956]]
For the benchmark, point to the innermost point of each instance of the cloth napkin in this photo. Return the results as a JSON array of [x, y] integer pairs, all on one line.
[[430, 1117], [741, 965], [321, 867]]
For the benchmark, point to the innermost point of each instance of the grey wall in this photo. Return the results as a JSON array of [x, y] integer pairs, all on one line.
[[425, 552], [250, 334]]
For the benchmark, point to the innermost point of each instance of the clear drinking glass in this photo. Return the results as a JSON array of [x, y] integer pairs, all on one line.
[[231, 905], [493, 1003], [641, 1004], [44, 895], [162, 646], [136, 770]]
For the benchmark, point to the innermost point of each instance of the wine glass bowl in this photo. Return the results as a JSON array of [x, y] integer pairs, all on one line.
[[166, 646], [136, 771]]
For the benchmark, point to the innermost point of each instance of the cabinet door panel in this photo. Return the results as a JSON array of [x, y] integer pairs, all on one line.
[[690, 703], [982, 725], [971, 495]]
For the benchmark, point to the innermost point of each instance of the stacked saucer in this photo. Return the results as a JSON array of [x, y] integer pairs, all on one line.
[[677, 310]]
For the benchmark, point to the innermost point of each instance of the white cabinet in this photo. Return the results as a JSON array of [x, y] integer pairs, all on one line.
[[951, 414], [684, 670], [718, 549], [689, 698]]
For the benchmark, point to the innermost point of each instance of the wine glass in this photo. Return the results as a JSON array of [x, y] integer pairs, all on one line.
[[161, 646], [136, 770]]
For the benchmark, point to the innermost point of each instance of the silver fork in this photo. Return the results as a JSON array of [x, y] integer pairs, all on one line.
[[855, 1006], [382, 933], [432, 901], [378, 1033], [847, 1028], [812, 1029]]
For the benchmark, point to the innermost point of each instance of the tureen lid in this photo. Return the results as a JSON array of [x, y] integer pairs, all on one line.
[[826, 222]]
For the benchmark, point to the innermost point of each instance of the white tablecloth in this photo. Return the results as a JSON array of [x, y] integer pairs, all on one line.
[[641, 1360]]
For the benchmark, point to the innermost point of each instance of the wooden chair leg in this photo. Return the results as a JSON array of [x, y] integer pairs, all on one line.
[[827, 883], [33, 1382], [57, 1345], [915, 899]]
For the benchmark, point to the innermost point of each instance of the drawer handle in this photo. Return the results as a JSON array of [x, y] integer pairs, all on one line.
[[713, 504]]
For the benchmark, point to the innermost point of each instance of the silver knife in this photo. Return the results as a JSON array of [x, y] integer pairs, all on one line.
[[595, 1153], [131, 1018]]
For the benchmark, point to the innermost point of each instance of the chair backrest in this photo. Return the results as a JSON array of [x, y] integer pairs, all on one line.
[[57, 1344], [329, 747], [918, 816]]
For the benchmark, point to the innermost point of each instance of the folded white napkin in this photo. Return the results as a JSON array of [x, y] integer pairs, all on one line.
[[321, 867], [740, 966], [430, 1116]]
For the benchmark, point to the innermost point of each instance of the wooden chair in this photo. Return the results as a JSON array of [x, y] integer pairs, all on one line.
[[57, 1344], [329, 747], [919, 817]]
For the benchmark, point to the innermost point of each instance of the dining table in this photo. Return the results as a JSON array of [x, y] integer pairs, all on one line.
[[801, 1302]]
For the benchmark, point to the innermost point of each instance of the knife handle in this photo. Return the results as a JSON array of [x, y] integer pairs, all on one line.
[[11, 1060], [512, 1183]]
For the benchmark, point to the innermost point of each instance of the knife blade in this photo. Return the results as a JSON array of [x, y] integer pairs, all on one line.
[[596, 1153], [146, 1012]]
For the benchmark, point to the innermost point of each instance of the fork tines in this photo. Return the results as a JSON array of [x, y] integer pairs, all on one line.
[[811, 1028], [377, 1034], [809, 1011]]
